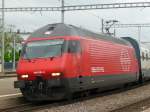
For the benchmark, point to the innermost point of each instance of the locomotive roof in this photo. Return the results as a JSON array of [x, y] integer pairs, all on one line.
[[60, 29]]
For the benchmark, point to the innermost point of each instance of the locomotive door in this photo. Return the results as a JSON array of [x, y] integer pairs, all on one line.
[[77, 57], [75, 49]]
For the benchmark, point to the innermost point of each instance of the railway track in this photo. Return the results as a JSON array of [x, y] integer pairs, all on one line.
[[14, 108], [28, 107]]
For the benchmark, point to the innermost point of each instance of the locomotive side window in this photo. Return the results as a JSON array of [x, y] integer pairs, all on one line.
[[74, 46]]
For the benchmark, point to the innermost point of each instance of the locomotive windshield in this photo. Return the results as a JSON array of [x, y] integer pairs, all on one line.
[[43, 49]]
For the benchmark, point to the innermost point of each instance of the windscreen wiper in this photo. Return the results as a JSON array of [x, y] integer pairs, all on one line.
[[27, 57], [52, 57]]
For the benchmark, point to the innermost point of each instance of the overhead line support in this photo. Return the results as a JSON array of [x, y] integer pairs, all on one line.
[[80, 7]]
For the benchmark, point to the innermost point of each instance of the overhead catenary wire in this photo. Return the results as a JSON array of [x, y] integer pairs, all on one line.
[[79, 7]]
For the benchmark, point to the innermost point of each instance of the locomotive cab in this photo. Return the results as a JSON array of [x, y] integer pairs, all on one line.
[[42, 67]]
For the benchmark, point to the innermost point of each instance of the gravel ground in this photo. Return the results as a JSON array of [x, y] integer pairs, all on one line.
[[143, 106], [105, 103]]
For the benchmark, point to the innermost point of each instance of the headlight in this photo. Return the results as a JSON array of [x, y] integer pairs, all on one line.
[[24, 76], [55, 74]]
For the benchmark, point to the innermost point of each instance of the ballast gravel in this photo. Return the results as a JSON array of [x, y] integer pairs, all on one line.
[[105, 103]]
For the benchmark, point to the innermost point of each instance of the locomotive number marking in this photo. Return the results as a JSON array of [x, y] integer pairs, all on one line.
[[39, 72], [97, 69]]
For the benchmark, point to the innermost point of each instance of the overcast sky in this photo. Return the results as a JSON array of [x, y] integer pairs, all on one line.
[[30, 21]]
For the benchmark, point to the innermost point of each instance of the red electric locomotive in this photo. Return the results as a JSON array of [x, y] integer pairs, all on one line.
[[58, 60]]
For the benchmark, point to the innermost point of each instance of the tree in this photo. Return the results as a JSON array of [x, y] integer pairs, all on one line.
[[9, 37]]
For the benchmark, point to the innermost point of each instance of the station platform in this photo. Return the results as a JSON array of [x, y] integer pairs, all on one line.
[[8, 74]]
